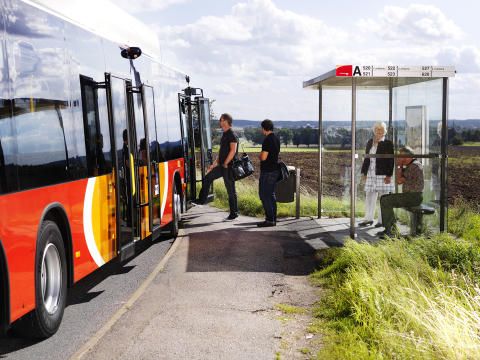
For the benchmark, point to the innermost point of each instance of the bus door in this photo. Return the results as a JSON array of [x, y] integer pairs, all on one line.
[[196, 136], [125, 179], [188, 146], [140, 100], [203, 133], [153, 156]]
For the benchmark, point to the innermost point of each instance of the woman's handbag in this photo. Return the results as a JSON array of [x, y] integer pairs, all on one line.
[[242, 167]]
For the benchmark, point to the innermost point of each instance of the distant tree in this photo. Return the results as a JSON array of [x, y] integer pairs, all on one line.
[[308, 135], [452, 134], [214, 128], [471, 135], [286, 135], [362, 137], [457, 140], [254, 135], [297, 137]]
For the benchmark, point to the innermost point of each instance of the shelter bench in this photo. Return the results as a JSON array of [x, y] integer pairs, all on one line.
[[416, 217]]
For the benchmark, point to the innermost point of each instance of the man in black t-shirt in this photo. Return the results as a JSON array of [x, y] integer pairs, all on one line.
[[222, 167], [269, 173]]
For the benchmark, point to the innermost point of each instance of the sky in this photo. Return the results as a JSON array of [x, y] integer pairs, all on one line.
[[252, 56]]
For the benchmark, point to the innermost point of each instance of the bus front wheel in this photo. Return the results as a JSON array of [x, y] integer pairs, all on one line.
[[50, 285]]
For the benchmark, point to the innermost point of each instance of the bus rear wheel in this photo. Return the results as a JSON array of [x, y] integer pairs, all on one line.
[[176, 212], [50, 285]]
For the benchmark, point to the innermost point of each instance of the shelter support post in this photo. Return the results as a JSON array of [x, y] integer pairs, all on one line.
[[297, 195], [390, 111], [352, 171], [320, 145], [443, 159]]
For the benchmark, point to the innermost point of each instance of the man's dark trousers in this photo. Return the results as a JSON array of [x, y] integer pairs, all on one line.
[[266, 191], [218, 172], [390, 201]]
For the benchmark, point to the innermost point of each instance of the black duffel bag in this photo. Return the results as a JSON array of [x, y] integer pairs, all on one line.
[[242, 167]]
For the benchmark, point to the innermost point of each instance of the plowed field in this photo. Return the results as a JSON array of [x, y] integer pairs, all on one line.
[[463, 171]]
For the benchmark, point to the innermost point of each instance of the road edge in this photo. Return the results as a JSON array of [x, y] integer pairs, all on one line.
[[95, 339]]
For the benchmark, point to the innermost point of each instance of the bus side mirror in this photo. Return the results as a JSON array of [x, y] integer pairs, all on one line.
[[131, 52]]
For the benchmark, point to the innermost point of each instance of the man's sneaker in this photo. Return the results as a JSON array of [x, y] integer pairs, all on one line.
[[231, 217], [197, 203], [266, 223]]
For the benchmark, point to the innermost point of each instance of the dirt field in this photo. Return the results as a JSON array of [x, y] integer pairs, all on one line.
[[463, 171]]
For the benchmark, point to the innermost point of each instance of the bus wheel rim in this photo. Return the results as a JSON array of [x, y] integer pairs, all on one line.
[[51, 278], [177, 206]]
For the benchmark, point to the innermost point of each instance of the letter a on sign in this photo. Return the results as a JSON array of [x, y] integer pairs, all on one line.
[[357, 71]]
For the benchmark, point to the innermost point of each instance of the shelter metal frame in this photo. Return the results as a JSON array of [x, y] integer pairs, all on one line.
[[386, 80]]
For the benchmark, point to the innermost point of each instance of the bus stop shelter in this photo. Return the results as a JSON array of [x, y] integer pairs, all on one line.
[[413, 102]]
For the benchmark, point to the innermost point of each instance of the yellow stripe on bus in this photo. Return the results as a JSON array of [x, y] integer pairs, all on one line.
[[132, 171]]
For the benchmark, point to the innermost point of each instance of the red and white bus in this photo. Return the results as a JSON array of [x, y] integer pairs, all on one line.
[[98, 147]]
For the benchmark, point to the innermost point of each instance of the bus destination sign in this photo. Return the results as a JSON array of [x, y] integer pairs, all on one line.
[[394, 71]]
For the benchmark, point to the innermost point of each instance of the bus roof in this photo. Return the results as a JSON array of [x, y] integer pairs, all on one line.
[[106, 20]]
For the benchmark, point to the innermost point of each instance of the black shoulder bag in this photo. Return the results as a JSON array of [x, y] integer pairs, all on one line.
[[242, 167]]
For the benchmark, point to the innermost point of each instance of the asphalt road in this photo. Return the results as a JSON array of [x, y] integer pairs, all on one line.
[[91, 303], [216, 297]]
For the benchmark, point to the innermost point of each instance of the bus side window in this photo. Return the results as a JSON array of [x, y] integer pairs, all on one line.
[[97, 138], [8, 178]]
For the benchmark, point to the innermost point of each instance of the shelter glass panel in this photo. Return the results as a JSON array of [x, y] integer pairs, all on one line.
[[336, 152], [373, 176], [417, 124]]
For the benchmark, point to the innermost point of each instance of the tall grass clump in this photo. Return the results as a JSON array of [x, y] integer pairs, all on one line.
[[464, 220], [401, 299]]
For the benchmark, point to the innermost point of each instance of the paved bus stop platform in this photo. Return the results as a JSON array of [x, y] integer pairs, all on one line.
[[216, 296]]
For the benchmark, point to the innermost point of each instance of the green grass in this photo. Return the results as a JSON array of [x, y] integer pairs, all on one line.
[[402, 299], [471, 143], [249, 203], [290, 309], [463, 161], [304, 351], [290, 148]]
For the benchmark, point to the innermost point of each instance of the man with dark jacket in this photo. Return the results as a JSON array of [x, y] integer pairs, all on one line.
[[269, 173], [222, 167], [410, 176]]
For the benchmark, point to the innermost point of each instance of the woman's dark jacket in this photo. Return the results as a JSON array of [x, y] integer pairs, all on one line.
[[383, 166]]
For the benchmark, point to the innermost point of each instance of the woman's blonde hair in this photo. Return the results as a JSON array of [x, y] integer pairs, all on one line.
[[380, 124]]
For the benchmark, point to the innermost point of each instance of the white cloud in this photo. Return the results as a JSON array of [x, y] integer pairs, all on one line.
[[463, 90], [416, 24], [139, 6], [253, 59], [466, 59], [256, 37]]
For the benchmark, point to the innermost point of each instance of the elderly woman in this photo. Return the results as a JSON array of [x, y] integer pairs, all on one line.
[[377, 173]]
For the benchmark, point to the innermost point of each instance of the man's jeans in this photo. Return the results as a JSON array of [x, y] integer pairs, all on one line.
[[391, 201], [218, 172], [266, 190]]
